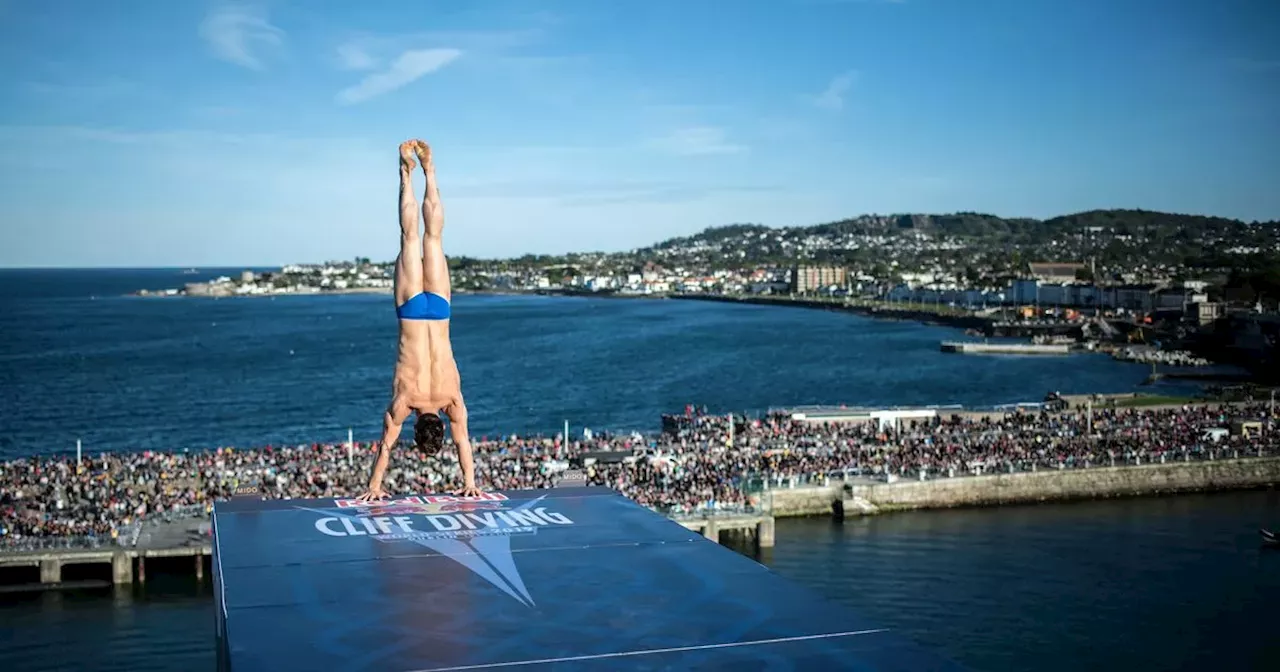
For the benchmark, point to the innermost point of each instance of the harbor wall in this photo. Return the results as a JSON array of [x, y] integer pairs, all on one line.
[[879, 311], [1039, 486]]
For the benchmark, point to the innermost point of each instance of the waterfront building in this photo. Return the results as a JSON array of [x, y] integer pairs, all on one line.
[[806, 279]]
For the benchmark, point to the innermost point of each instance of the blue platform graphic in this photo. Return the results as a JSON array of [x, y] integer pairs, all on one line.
[[561, 579]]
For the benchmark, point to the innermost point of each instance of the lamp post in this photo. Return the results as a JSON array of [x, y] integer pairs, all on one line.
[[1271, 410]]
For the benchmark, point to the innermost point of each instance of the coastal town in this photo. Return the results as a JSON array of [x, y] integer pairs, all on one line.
[[1124, 277], [1113, 259]]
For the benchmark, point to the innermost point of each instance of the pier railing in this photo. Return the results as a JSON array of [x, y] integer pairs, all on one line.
[[79, 541], [709, 511], [758, 484]]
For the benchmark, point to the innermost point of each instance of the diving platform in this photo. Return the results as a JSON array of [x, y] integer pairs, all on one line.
[[576, 578]]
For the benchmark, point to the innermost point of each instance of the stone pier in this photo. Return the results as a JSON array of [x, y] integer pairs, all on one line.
[[51, 561], [866, 496], [50, 571], [760, 526], [765, 533], [121, 568]]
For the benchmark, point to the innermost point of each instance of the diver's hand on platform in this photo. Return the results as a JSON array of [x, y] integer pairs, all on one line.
[[373, 494], [469, 490]]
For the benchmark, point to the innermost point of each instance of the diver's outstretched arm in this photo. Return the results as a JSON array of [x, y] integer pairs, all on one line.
[[392, 422], [457, 412]]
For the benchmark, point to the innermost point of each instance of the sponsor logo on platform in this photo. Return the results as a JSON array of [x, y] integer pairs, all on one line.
[[426, 505], [473, 531]]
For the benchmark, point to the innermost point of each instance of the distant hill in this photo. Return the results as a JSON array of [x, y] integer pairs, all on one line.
[[985, 249], [1118, 243], [980, 225], [712, 235]]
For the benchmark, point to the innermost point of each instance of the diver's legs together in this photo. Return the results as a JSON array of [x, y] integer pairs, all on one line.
[[435, 267], [408, 272]]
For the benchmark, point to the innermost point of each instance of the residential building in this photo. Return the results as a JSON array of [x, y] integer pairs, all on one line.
[[1055, 272], [806, 279]]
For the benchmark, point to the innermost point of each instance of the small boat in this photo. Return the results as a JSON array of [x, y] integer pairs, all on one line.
[[1270, 539]]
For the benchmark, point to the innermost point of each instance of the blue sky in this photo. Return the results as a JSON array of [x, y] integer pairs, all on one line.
[[190, 133]]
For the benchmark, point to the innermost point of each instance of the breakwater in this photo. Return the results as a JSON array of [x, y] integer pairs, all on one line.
[[965, 348], [866, 496], [876, 310]]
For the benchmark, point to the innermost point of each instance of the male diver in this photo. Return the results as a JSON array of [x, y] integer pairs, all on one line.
[[426, 379]]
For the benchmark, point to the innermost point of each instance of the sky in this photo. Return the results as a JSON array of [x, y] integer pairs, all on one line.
[[211, 133]]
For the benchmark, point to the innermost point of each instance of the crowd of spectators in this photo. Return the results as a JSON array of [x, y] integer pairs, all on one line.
[[698, 461]]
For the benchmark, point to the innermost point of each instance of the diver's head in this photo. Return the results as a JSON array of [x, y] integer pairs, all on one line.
[[428, 433]]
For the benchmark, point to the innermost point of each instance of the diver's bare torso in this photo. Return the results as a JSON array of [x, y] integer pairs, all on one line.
[[426, 377]]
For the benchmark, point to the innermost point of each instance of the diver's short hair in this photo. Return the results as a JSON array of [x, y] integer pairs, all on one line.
[[428, 433]]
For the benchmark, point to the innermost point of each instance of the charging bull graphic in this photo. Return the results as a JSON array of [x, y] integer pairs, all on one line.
[[472, 531], [425, 505]]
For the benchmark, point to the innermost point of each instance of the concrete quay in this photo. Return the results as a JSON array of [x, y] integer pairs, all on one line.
[[760, 527], [127, 564], [868, 496]]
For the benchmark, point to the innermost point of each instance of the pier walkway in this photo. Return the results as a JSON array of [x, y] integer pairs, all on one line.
[[186, 538]]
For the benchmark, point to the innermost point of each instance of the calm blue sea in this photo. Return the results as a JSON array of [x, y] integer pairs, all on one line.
[[1156, 584], [81, 360]]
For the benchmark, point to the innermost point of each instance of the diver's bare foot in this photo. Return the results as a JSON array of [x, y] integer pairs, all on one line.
[[407, 148], [423, 151]]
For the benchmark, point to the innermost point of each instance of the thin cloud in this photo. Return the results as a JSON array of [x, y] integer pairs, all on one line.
[[697, 141], [501, 48], [352, 56], [236, 32], [366, 50], [833, 97], [410, 66]]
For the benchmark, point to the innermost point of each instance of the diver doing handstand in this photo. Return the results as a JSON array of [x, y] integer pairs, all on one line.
[[426, 379]]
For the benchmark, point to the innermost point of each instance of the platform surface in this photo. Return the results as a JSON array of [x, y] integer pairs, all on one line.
[[560, 579]]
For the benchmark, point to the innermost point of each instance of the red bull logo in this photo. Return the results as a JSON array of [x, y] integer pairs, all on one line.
[[424, 504]]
